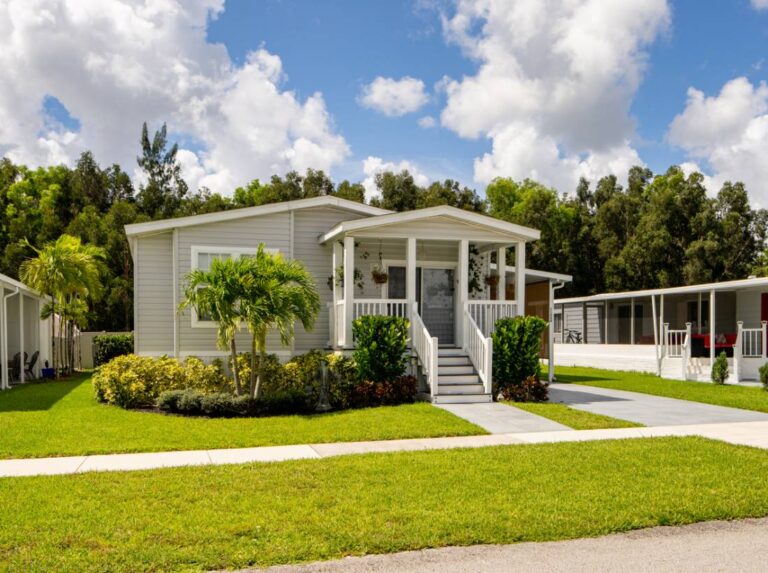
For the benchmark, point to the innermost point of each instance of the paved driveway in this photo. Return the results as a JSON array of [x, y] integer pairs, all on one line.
[[647, 409]]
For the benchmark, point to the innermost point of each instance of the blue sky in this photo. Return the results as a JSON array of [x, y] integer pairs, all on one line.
[[337, 47], [551, 90]]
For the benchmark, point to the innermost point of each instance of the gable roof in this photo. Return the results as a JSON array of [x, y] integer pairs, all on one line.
[[137, 229], [516, 232]]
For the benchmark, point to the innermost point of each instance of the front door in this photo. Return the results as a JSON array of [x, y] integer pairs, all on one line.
[[437, 308]]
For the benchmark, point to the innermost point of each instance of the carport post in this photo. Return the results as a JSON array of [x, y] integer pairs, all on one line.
[[21, 337], [711, 328]]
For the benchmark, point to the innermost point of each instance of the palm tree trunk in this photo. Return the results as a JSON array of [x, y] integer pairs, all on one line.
[[235, 373], [253, 366], [262, 363]]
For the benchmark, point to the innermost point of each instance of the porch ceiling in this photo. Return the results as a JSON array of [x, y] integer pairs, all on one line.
[[435, 223]]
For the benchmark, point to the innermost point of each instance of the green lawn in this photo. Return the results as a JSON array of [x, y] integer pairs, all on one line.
[[745, 397], [571, 417], [261, 514], [63, 418]]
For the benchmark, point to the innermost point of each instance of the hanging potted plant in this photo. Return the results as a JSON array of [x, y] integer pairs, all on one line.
[[357, 276], [379, 275]]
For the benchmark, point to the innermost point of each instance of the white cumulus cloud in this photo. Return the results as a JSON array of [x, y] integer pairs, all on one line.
[[374, 165], [554, 84], [394, 97], [427, 121], [760, 4], [729, 133], [116, 63]]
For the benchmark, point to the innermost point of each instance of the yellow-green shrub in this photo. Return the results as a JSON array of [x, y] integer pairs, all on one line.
[[133, 381]]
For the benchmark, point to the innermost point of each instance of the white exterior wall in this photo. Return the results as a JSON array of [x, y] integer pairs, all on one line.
[[639, 358]]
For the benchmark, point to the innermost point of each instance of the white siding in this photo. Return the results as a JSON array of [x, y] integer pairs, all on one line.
[[748, 308], [154, 295], [595, 324], [573, 318]]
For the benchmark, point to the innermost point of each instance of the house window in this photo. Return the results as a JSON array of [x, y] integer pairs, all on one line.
[[203, 257]]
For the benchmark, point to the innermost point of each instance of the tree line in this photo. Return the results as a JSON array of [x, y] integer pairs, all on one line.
[[658, 230]]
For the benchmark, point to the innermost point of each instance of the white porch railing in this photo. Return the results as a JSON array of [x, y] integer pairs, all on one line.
[[485, 313], [677, 344], [480, 350], [379, 306], [750, 341], [426, 349]]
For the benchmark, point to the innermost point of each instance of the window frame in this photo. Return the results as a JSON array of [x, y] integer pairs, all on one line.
[[197, 250]]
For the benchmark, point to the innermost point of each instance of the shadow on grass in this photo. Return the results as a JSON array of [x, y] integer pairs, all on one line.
[[576, 378], [39, 395]]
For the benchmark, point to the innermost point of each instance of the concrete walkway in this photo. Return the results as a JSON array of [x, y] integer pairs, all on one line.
[[709, 546], [502, 419], [647, 409], [745, 433]]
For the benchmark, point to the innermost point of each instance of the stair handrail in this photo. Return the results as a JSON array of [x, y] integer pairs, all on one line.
[[479, 348], [426, 348]]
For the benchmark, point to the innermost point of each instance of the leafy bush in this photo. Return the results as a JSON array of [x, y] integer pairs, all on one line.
[[132, 381], [109, 346], [764, 376], [516, 347], [720, 369], [400, 390], [192, 402], [530, 390], [381, 345]]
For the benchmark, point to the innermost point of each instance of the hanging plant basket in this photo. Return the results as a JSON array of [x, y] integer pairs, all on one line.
[[379, 276]]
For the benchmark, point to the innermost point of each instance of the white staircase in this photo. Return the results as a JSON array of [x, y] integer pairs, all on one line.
[[457, 380]]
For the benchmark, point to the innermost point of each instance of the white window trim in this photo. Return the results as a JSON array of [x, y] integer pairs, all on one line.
[[219, 250]]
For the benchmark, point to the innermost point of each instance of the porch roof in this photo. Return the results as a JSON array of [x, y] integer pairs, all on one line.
[[8, 282], [441, 222], [741, 284]]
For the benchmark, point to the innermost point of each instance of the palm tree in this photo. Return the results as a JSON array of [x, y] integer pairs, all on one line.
[[278, 293], [217, 293], [69, 272]]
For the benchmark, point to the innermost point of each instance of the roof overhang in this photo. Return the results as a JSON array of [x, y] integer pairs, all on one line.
[[541, 275], [164, 225], [8, 282], [741, 284], [406, 224]]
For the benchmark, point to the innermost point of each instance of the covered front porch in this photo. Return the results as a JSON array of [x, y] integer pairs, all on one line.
[[674, 332], [434, 267]]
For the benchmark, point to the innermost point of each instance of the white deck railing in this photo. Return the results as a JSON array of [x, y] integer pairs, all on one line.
[[379, 306], [485, 313], [480, 350], [426, 348], [750, 341], [677, 344]]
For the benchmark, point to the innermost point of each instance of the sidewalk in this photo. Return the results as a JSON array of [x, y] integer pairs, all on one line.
[[742, 433]]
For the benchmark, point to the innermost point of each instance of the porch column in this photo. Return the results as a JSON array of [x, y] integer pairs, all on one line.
[[3, 342], [551, 335], [520, 277], [501, 270], [21, 337], [632, 321], [349, 288], [336, 261], [699, 318], [711, 328], [410, 272], [656, 335], [605, 320], [463, 290]]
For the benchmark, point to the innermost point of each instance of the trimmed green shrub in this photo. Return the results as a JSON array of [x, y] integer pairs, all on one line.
[[530, 390], [516, 348], [720, 369], [381, 347], [109, 346], [764, 376], [132, 381]]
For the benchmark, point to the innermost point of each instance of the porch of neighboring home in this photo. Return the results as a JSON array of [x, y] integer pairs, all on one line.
[[24, 336], [436, 262], [674, 332]]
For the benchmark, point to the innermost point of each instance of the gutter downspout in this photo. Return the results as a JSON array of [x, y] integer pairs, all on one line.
[[551, 359], [5, 384]]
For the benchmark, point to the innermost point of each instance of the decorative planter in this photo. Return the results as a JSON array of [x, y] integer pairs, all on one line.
[[379, 277], [48, 373]]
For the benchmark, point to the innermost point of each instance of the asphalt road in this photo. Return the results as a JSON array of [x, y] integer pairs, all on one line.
[[704, 547]]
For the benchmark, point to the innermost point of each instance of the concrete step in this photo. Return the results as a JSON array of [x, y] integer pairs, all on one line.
[[462, 399], [451, 389], [453, 361], [458, 378], [454, 369]]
